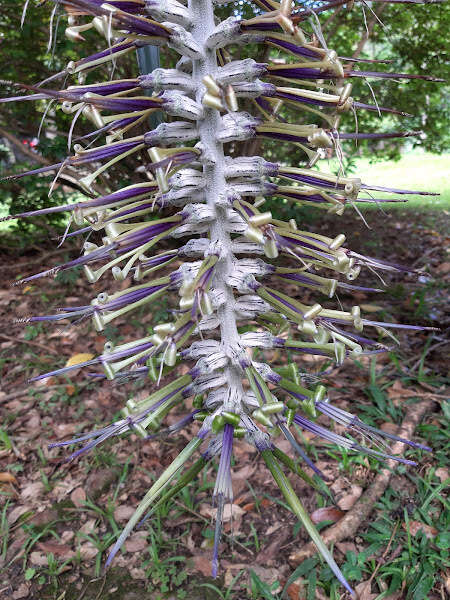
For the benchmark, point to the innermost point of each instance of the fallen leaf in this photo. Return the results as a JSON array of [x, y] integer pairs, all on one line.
[[70, 390], [389, 427], [269, 575], [77, 359], [21, 592], [39, 559], [442, 473], [241, 477], [345, 547], [447, 584], [268, 553], [416, 526], [99, 481], [33, 490], [78, 497], [136, 542], [443, 268], [56, 549], [202, 564], [328, 513], [33, 423], [99, 343], [294, 591], [137, 573], [273, 528], [363, 591], [399, 391], [88, 527], [6, 477], [17, 512], [88, 551], [43, 518], [61, 490], [67, 536], [124, 512], [64, 429]]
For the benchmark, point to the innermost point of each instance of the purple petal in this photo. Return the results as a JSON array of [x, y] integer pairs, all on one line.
[[293, 48], [384, 75]]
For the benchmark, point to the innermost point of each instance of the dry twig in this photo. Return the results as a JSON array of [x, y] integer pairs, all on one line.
[[29, 343]]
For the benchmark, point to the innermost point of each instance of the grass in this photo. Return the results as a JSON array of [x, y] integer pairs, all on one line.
[[411, 564], [415, 170]]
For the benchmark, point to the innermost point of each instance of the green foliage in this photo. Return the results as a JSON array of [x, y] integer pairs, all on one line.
[[416, 41], [32, 195]]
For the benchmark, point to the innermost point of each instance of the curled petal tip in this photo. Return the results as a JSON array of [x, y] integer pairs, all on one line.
[[214, 568]]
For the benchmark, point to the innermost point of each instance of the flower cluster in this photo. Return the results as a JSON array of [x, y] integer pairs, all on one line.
[[233, 257]]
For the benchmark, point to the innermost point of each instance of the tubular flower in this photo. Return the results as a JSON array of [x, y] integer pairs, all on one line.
[[227, 250]]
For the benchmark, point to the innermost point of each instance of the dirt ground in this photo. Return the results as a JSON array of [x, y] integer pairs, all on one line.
[[58, 520]]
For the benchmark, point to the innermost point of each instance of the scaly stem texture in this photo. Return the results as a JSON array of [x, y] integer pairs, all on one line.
[[233, 318]]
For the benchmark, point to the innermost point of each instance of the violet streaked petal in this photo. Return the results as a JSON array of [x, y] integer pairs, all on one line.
[[42, 96], [380, 188], [99, 254], [311, 180], [123, 45], [299, 73], [131, 7], [301, 452], [122, 19], [113, 126], [353, 336], [283, 301], [260, 26], [398, 326], [345, 442], [86, 156], [300, 278], [350, 420], [176, 427], [284, 137], [298, 98], [374, 108], [81, 231], [109, 87], [358, 288], [299, 196], [386, 75], [292, 48], [223, 491], [65, 370], [373, 136], [115, 197]]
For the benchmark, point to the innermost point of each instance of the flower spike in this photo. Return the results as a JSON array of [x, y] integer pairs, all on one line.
[[224, 257]]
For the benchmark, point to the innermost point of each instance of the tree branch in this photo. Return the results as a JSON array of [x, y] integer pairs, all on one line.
[[368, 32], [23, 149]]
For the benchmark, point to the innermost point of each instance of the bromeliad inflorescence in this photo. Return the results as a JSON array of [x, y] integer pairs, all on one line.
[[233, 258]]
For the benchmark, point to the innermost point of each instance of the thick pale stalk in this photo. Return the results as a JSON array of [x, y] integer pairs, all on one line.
[[209, 126]]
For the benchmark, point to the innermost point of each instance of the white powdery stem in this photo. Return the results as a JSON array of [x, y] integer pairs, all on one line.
[[215, 188]]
